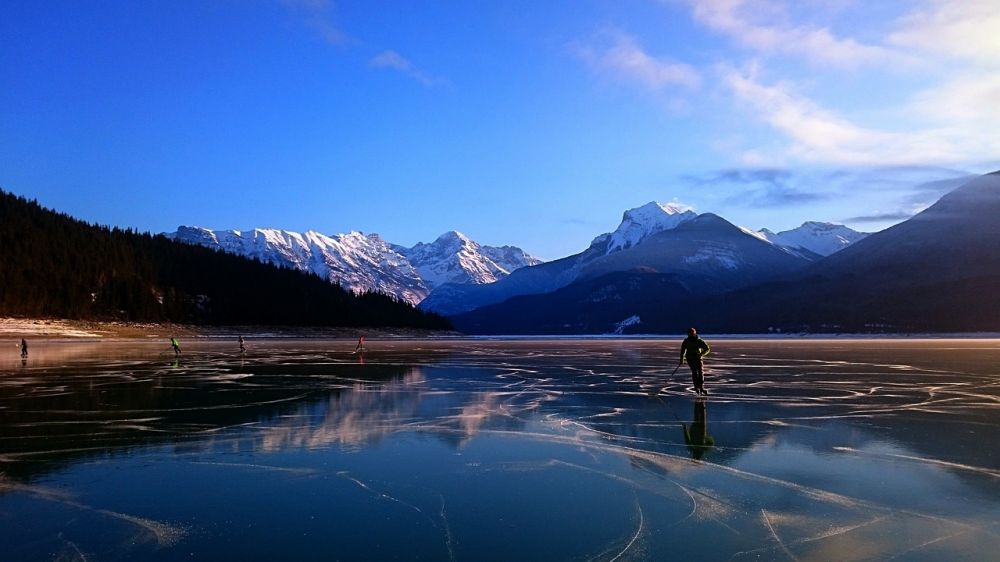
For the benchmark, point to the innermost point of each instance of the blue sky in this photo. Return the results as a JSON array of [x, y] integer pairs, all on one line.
[[529, 123]]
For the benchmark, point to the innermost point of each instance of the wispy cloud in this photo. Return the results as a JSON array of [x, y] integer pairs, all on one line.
[[908, 188], [317, 15], [969, 101], [574, 221], [391, 60], [820, 135], [913, 197], [942, 105], [949, 46], [968, 29], [740, 176], [739, 20], [926, 193], [880, 217], [618, 55], [760, 187]]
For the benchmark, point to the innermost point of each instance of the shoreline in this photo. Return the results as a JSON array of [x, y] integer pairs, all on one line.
[[83, 330], [54, 328]]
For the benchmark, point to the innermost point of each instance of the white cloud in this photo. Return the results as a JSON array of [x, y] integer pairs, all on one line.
[[969, 100], [622, 57], [394, 61], [951, 118], [968, 29], [318, 16], [942, 105], [817, 44], [818, 134]]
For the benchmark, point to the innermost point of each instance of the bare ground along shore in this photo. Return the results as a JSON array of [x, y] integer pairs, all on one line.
[[14, 328]]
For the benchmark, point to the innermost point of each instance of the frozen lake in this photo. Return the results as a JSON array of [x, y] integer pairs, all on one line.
[[500, 450]]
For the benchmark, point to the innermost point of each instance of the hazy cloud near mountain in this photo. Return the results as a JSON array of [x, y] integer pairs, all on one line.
[[760, 187], [872, 196], [880, 217]]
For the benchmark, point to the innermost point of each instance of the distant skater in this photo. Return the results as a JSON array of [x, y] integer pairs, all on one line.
[[176, 346], [361, 345], [693, 349], [243, 348], [24, 349]]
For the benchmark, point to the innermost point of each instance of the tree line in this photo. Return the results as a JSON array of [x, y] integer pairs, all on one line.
[[53, 265]]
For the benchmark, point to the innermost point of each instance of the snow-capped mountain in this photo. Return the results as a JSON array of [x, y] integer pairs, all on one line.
[[454, 258], [938, 271], [821, 238], [666, 238], [363, 262], [703, 256], [644, 221]]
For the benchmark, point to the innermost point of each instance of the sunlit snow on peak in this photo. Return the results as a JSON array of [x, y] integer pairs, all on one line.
[[820, 238], [640, 222], [366, 262]]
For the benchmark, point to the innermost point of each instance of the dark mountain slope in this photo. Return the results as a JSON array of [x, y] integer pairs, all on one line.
[[709, 249], [957, 237], [938, 271], [703, 256], [592, 306], [708, 253]]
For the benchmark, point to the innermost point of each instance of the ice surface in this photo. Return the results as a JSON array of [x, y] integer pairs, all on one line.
[[501, 450]]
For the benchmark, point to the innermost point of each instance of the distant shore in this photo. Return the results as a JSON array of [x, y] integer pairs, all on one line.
[[14, 328]]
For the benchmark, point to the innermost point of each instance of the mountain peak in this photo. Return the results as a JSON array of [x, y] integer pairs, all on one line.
[[640, 222], [654, 209], [455, 258], [450, 242], [820, 238], [710, 217], [367, 262], [453, 236]]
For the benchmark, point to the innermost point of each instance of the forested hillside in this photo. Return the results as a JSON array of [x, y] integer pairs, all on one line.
[[52, 265]]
